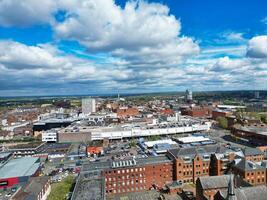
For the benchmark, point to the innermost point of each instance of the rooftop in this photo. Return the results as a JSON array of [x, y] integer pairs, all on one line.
[[32, 189], [211, 182], [252, 151], [248, 165], [25, 166], [193, 151], [89, 187], [139, 162], [248, 193]]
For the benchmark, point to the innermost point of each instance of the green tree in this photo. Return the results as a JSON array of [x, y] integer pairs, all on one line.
[[264, 119], [222, 122]]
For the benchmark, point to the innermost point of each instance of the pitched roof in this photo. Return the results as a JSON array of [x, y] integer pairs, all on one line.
[[248, 165], [32, 189], [193, 151], [246, 193], [252, 151], [210, 182]]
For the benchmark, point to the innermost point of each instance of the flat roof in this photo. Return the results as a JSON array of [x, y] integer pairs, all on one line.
[[89, 187], [19, 167], [192, 139], [150, 144], [4, 154]]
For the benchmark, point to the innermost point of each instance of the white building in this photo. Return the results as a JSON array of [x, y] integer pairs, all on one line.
[[88, 106], [50, 136]]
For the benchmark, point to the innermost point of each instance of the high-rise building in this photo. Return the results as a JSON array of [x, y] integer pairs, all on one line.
[[257, 94], [188, 95], [88, 105]]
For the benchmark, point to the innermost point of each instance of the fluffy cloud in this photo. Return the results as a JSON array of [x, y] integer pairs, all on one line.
[[140, 33], [141, 50], [227, 64], [257, 47], [44, 65], [16, 55], [26, 12]]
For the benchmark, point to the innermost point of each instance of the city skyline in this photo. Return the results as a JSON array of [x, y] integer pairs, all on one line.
[[105, 46]]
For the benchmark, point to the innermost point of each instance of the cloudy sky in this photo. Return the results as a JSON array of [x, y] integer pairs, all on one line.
[[109, 46]]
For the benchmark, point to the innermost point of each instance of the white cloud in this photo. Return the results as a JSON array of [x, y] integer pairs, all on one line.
[[26, 12], [225, 64], [141, 33], [16, 55], [257, 47], [264, 20], [234, 37]]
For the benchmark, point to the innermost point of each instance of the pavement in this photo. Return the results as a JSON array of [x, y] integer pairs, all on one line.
[[222, 136]]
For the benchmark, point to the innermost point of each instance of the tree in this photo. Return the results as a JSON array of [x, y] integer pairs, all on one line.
[[264, 119], [222, 122]]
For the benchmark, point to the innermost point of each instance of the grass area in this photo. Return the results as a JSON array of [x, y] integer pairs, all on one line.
[[61, 189]]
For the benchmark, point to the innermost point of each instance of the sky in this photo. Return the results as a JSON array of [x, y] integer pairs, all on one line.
[[71, 47]]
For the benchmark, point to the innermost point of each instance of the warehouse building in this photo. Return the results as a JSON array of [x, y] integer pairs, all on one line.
[[18, 171]]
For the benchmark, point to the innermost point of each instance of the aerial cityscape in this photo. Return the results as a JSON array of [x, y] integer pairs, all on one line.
[[133, 100]]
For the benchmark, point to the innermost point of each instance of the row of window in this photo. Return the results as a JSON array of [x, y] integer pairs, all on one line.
[[258, 181], [132, 189], [125, 177], [132, 182], [126, 170], [252, 173]]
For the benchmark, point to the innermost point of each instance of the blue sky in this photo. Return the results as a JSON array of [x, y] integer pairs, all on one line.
[[107, 46]]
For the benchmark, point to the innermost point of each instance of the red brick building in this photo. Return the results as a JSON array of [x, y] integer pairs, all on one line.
[[256, 133], [220, 113], [129, 112], [192, 163], [197, 111], [207, 187], [251, 172], [134, 176]]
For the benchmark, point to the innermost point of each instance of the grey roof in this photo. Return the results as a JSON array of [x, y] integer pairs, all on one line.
[[210, 182], [248, 193], [98, 166], [89, 187], [246, 165], [4, 154], [25, 166], [193, 151], [252, 151], [32, 189]]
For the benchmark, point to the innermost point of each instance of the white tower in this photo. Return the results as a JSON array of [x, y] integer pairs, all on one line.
[[88, 105]]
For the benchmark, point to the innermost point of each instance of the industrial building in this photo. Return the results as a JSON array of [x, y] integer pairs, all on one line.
[[18, 171]]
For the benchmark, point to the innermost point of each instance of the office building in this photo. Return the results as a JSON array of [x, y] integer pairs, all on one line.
[[188, 95]]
